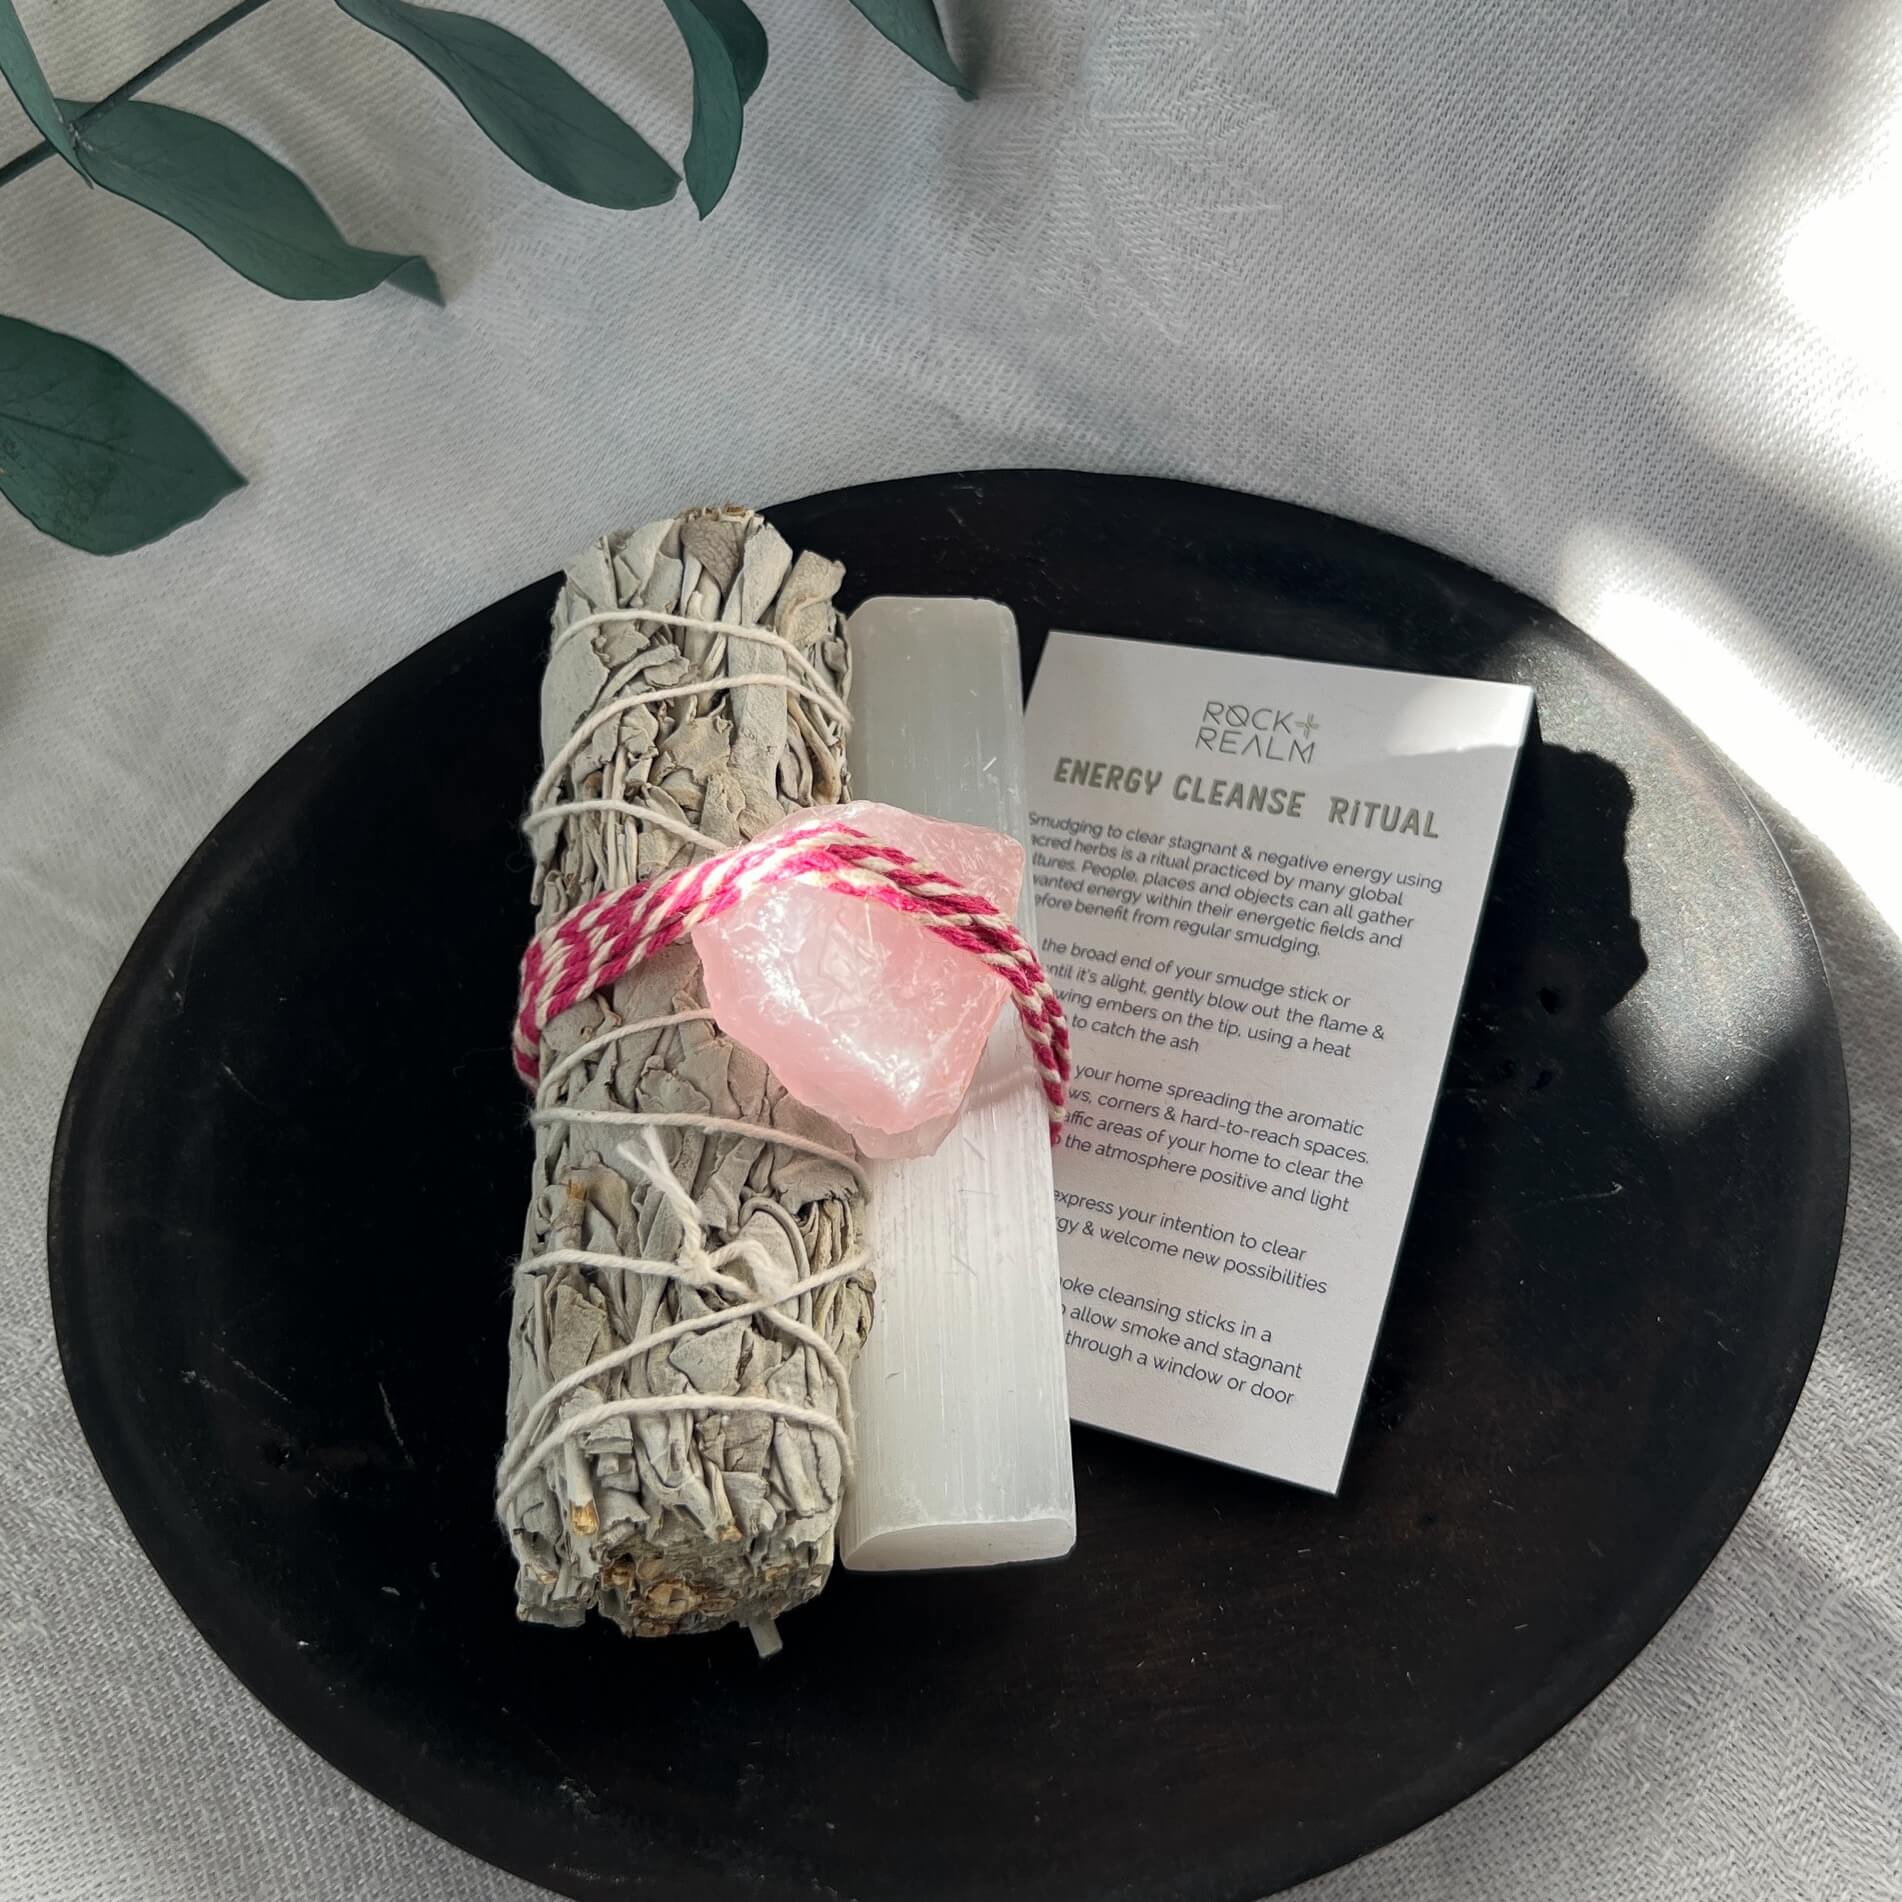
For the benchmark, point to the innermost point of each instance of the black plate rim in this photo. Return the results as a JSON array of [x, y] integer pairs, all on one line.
[[1507, 1742]]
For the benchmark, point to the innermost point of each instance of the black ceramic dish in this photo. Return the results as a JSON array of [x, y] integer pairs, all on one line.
[[1613, 1282]]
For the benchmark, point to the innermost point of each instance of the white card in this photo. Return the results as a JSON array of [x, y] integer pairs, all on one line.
[[1258, 883]]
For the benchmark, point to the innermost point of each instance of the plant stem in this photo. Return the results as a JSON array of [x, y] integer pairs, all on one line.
[[35, 155]]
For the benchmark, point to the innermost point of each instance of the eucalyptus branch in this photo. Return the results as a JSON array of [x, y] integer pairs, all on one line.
[[34, 155], [92, 454]]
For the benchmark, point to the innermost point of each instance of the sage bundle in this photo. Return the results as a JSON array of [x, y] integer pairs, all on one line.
[[693, 1286]]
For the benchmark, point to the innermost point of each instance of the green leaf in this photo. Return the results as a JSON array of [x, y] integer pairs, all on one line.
[[727, 45], [22, 70], [739, 27], [548, 123], [91, 454], [237, 201], [912, 26], [415, 276]]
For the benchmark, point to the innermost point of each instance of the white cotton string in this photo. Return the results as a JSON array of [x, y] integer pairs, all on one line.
[[582, 1052], [647, 815], [519, 1460], [560, 760], [722, 1125], [696, 1268], [667, 1185], [694, 1255], [588, 1418], [815, 687], [740, 630], [694, 1324], [545, 810], [764, 1205]]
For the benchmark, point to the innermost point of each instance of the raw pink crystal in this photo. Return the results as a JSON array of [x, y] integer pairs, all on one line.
[[856, 1008]]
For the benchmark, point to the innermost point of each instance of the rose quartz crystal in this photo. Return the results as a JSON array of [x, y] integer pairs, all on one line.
[[857, 1009]]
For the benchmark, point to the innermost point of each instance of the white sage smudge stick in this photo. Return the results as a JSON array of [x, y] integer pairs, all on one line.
[[670, 1469]]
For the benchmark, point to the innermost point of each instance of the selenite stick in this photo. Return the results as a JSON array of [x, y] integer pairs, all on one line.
[[963, 1411]]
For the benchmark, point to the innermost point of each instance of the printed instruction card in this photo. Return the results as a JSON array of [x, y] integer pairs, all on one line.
[[1258, 882]]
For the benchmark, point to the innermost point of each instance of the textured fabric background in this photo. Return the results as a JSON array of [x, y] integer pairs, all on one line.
[[1599, 295]]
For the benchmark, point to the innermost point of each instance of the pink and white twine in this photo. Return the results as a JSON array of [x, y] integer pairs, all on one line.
[[591, 946]]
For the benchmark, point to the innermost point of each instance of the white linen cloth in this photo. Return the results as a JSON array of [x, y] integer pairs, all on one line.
[[1599, 295]]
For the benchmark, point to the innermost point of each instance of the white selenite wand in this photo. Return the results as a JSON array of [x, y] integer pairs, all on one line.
[[962, 1406]]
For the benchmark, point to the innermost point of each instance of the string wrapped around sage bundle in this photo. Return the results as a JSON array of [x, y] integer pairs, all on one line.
[[693, 1286]]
